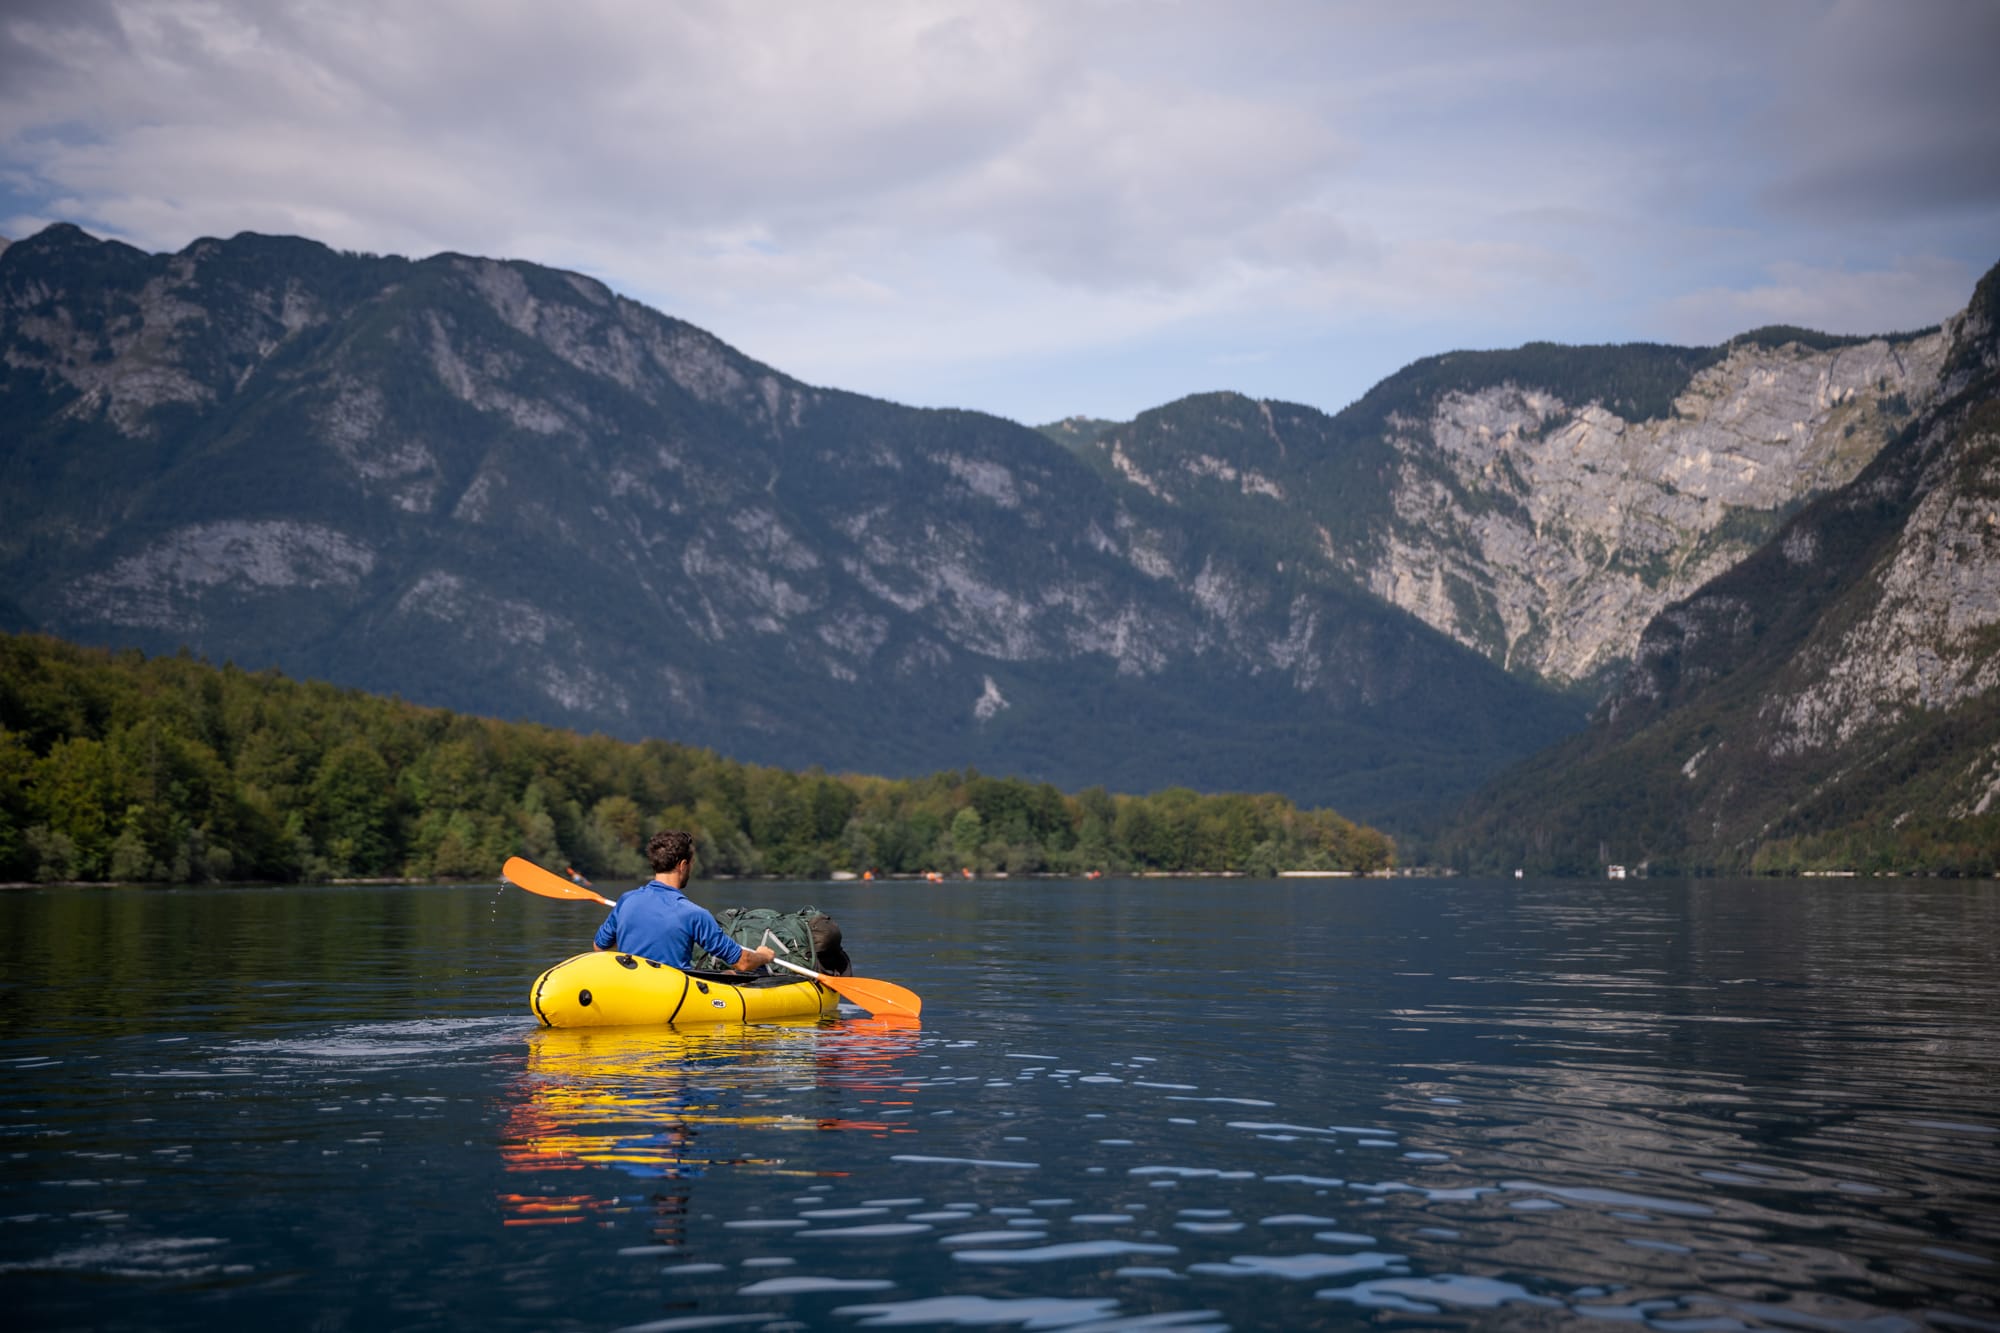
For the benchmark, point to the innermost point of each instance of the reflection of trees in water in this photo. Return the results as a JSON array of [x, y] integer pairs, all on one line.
[[637, 1101]]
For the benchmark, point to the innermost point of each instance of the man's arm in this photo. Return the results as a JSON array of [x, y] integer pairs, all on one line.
[[753, 959], [713, 938]]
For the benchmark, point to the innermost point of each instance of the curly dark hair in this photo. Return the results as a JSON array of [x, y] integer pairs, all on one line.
[[667, 849]]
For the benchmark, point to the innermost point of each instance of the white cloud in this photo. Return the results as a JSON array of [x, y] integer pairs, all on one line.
[[1908, 295], [1117, 184], [880, 193]]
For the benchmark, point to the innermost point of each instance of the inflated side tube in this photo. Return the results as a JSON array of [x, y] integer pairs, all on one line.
[[623, 990]]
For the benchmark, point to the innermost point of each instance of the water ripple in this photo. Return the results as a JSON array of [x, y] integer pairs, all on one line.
[[1729, 1106]]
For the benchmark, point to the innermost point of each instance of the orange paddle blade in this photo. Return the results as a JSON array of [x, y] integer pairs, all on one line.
[[881, 998], [529, 876], [877, 997]]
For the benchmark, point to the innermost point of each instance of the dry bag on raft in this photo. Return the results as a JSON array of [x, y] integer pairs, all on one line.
[[810, 936]]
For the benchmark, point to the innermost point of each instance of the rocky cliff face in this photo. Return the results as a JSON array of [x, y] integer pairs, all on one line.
[[1558, 530], [1923, 636], [1903, 549], [1513, 510], [1832, 700]]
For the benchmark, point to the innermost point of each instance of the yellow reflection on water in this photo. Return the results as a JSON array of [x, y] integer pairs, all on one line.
[[641, 1101]]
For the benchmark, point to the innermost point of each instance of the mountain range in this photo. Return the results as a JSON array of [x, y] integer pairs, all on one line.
[[506, 489]]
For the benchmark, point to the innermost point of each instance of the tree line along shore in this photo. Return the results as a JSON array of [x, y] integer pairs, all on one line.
[[115, 766]]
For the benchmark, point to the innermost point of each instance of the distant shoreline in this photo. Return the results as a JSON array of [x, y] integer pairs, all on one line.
[[903, 877]]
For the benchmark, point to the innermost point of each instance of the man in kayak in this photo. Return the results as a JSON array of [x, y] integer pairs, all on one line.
[[659, 921]]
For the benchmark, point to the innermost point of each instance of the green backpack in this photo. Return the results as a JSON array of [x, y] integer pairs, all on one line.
[[810, 937]]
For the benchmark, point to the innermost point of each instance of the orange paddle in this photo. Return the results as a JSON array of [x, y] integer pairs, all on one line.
[[527, 875], [877, 997]]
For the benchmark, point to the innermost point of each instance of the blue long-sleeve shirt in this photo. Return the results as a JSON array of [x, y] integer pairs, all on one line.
[[658, 921]]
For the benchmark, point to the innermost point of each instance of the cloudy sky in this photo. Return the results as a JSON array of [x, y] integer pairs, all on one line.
[[1039, 209]]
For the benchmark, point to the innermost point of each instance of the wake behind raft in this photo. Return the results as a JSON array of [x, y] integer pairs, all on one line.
[[619, 989]]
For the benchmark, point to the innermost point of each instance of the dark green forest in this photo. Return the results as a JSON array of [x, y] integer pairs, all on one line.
[[116, 766]]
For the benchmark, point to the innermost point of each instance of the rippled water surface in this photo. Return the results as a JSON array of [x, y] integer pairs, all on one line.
[[1171, 1105]]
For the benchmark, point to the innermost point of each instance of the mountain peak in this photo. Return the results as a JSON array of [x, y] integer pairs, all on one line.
[[1078, 431], [63, 234], [66, 245]]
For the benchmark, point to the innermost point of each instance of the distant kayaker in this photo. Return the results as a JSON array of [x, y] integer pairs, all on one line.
[[659, 921]]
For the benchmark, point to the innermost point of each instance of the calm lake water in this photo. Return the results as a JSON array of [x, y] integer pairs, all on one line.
[[1157, 1105]]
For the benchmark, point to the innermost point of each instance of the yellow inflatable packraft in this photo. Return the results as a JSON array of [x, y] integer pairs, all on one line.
[[622, 990]]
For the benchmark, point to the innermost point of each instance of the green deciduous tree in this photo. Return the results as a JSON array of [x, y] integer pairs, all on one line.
[[351, 794]]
